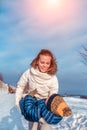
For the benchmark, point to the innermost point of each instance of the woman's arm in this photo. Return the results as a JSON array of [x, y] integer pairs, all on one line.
[[20, 86]]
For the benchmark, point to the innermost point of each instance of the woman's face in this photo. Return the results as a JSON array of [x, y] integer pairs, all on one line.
[[44, 63]]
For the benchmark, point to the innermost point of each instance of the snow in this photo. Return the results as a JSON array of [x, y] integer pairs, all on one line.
[[11, 118]]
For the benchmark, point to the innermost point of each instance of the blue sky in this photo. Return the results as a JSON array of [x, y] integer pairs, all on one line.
[[26, 26]]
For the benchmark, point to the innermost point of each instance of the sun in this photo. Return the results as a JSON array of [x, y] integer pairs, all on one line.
[[53, 2]]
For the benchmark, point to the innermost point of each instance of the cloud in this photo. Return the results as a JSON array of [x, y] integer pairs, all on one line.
[[27, 27], [30, 25]]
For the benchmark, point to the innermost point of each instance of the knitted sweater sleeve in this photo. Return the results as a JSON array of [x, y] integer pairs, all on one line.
[[20, 87], [54, 88]]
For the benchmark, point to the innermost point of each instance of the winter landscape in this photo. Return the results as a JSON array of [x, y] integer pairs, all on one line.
[[11, 118], [30, 25]]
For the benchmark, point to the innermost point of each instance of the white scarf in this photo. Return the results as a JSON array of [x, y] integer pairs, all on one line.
[[39, 77]]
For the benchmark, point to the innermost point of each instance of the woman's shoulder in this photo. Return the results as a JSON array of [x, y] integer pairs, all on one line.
[[54, 78], [26, 72]]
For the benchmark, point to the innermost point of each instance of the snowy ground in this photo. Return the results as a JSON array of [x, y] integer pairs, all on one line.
[[11, 119]]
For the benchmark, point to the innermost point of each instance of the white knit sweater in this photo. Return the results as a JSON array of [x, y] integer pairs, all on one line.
[[43, 82]]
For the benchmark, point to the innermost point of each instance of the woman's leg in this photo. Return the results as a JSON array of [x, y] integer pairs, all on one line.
[[44, 125], [33, 125]]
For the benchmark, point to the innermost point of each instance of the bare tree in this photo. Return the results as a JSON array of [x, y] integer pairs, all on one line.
[[84, 55]]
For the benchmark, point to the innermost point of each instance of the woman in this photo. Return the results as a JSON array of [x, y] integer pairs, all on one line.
[[40, 76]]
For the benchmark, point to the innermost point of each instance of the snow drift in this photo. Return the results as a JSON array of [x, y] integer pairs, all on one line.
[[11, 118]]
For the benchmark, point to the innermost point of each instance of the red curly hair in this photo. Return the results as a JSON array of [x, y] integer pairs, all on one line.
[[53, 67]]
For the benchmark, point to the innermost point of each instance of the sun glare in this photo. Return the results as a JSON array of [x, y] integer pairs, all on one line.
[[53, 2], [48, 11]]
